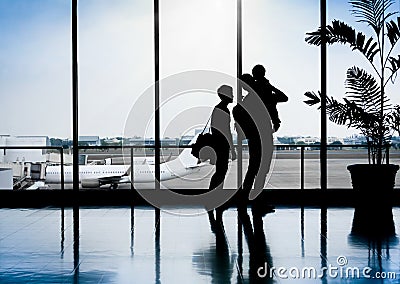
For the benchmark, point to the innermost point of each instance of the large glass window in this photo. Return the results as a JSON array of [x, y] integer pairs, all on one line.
[[197, 56], [116, 74], [35, 72], [35, 85]]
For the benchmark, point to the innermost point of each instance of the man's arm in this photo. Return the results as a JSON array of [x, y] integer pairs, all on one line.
[[279, 96]]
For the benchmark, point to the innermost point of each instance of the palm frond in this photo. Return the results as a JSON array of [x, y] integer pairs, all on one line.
[[340, 32], [338, 112], [372, 12], [313, 98], [393, 31], [364, 91], [372, 126], [351, 114], [393, 119], [394, 64], [360, 119]]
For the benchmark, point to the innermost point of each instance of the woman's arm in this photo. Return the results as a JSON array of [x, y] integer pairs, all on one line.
[[232, 146]]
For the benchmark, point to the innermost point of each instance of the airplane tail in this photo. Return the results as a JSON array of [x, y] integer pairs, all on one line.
[[128, 171], [186, 157]]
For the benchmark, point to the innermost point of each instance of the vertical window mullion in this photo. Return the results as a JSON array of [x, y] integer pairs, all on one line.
[[239, 89], [323, 149], [75, 131], [157, 143]]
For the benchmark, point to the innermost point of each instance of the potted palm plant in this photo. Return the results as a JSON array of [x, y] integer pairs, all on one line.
[[366, 105]]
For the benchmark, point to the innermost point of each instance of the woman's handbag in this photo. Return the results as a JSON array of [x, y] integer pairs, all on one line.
[[203, 148]]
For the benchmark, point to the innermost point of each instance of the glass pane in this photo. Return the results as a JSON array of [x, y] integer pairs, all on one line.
[[116, 63], [197, 56], [116, 74], [35, 82], [274, 36]]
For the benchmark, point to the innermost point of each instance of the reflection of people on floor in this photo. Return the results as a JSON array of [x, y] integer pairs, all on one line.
[[260, 262], [216, 261], [224, 264], [223, 144]]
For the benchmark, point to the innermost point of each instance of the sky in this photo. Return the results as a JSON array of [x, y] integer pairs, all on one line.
[[116, 63]]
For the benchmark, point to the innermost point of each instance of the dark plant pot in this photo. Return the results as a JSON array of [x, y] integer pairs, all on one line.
[[374, 183]]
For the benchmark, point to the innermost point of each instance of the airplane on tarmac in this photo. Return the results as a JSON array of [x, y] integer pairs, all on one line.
[[94, 176], [150, 160]]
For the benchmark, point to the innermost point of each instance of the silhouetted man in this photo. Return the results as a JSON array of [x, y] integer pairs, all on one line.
[[254, 116]]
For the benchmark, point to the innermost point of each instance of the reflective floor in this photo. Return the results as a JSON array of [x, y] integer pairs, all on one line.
[[133, 245]]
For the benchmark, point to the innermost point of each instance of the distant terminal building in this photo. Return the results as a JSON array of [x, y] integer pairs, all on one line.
[[135, 141], [335, 139], [141, 142], [23, 155], [19, 163], [114, 141], [89, 140], [355, 140], [307, 140]]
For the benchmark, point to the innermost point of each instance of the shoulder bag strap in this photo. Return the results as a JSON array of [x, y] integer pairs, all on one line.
[[206, 124]]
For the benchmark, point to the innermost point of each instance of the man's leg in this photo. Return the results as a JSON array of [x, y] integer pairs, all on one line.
[[254, 164], [242, 195], [265, 154], [259, 208]]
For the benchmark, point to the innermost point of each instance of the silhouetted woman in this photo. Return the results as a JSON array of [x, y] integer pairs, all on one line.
[[223, 144]]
